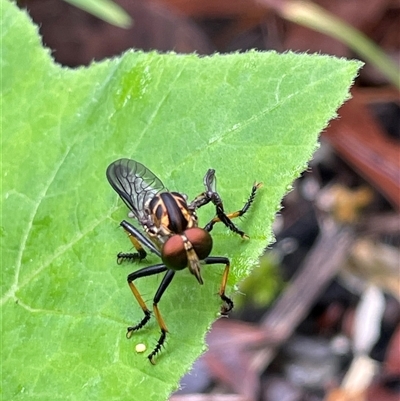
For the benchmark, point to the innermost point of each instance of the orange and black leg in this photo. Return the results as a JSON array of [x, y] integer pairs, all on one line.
[[228, 303], [163, 286], [137, 239], [211, 195], [227, 218], [132, 256], [136, 236], [145, 272]]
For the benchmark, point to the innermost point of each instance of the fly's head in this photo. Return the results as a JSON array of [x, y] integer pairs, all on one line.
[[187, 250]]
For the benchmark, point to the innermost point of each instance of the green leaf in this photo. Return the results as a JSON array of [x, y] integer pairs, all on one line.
[[65, 301]]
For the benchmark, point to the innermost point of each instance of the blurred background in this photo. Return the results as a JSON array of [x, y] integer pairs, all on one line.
[[319, 318]]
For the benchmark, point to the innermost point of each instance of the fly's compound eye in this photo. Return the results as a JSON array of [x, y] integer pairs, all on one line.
[[173, 253], [175, 250], [201, 241]]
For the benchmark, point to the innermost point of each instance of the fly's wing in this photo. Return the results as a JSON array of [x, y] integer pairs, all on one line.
[[134, 183]]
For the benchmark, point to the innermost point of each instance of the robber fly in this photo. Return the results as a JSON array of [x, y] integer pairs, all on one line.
[[170, 231]]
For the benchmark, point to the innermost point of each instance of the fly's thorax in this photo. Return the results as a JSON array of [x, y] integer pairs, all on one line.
[[169, 210]]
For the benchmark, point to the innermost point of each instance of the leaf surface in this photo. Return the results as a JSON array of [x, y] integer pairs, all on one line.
[[65, 302]]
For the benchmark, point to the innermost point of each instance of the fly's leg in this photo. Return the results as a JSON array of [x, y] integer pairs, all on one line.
[[211, 195], [145, 272], [227, 218], [163, 286], [132, 256], [228, 303], [137, 239]]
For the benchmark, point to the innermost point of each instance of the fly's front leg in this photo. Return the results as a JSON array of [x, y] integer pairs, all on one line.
[[163, 286], [145, 272], [199, 201], [225, 218], [138, 239], [210, 194]]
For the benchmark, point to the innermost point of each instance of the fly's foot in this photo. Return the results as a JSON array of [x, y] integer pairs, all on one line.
[[131, 329], [157, 349], [227, 306], [131, 257]]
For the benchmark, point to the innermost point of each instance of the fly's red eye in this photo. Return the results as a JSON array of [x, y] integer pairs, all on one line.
[[174, 254], [201, 241]]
